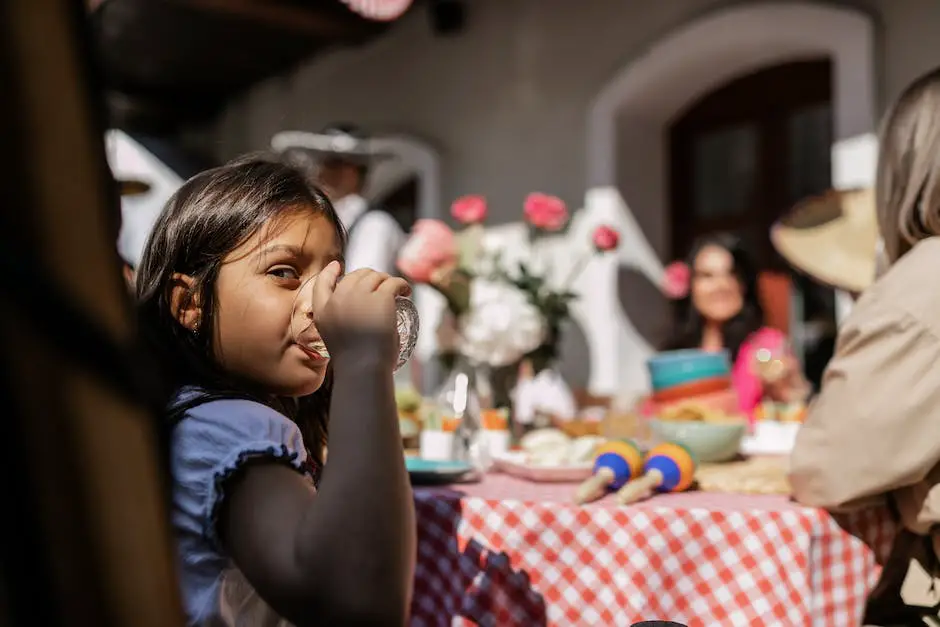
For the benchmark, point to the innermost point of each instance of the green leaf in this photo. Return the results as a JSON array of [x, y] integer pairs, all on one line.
[[469, 244]]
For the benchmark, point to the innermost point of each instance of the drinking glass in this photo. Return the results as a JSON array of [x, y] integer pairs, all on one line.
[[305, 334]]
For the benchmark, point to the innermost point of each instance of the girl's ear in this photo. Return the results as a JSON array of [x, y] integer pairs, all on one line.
[[184, 302], [129, 278]]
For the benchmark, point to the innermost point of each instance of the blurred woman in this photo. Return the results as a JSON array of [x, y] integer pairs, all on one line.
[[719, 309], [871, 435]]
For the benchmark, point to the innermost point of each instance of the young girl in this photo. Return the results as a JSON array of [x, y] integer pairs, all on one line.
[[719, 309], [258, 541], [872, 434]]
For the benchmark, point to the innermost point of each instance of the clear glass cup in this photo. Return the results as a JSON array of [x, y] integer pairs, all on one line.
[[305, 334]]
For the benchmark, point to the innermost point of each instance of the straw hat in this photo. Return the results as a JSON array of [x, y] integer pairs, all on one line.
[[833, 238]]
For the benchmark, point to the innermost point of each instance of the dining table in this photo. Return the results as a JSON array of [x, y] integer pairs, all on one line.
[[504, 551]]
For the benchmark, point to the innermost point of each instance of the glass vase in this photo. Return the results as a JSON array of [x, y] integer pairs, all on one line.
[[460, 403]]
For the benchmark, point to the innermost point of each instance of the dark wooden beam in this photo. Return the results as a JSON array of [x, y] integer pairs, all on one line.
[[180, 61], [158, 116], [319, 19]]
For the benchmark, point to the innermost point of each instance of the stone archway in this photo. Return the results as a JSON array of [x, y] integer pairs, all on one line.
[[692, 60], [414, 157]]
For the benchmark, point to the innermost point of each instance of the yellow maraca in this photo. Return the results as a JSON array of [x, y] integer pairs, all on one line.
[[668, 467], [615, 463]]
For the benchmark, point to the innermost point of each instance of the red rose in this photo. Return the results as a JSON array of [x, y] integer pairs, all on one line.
[[545, 212], [469, 209], [605, 238], [430, 247], [676, 280]]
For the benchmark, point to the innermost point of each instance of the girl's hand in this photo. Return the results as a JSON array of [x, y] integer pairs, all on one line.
[[356, 316]]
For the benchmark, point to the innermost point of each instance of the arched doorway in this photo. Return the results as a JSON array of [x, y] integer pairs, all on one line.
[[739, 157], [409, 186], [628, 120]]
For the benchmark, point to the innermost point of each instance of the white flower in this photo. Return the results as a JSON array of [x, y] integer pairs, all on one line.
[[501, 325]]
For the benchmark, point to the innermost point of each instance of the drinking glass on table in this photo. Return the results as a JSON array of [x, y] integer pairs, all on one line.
[[304, 333]]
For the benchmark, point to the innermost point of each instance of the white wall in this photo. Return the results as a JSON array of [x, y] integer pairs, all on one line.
[[505, 102]]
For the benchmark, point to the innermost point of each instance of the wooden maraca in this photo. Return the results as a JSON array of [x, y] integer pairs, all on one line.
[[615, 463], [668, 467]]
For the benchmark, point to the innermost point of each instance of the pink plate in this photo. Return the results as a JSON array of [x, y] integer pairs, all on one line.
[[515, 463]]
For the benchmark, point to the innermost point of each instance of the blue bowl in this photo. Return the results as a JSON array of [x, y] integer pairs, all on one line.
[[686, 366]]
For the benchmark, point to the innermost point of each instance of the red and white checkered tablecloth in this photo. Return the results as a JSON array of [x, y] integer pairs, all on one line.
[[508, 552]]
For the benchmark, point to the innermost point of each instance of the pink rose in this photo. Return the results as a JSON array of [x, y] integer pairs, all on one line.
[[677, 279], [469, 209], [605, 238], [545, 212], [430, 247]]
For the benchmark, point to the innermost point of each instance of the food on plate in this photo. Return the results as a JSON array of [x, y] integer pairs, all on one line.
[[693, 411], [578, 428], [780, 412], [551, 447], [495, 419]]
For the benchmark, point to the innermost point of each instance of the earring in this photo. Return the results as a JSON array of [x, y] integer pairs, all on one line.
[[195, 328]]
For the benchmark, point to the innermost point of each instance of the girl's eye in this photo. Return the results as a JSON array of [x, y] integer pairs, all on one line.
[[284, 272]]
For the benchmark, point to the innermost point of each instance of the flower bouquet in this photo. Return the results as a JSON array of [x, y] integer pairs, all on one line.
[[500, 313]]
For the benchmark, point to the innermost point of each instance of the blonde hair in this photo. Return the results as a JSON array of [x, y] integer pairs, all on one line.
[[908, 178]]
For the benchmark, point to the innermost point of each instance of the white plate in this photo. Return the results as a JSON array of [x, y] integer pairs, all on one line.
[[515, 463]]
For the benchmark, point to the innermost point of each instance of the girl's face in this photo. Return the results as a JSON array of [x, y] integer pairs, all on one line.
[[255, 294], [717, 293]]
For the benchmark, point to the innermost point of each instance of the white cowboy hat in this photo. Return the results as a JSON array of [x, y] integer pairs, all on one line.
[[833, 238], [337, 141], [146, 183]]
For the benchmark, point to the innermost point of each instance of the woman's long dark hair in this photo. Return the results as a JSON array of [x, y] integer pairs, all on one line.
[[691, 324], [211, 215]]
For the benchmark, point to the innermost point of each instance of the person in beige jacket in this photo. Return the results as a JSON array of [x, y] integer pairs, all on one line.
[[872, 436]]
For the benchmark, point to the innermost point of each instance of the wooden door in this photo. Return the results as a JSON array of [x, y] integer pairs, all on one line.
[[742, 155]]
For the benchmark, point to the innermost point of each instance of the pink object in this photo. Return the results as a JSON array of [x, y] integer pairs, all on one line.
[[379, 10], [676, 281], [748, 385], [469, 209], [430, 246], [522, 553], [605, 238], [545, 212]]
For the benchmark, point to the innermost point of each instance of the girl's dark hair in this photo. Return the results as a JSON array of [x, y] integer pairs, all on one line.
[[211, 215], [691, 324]]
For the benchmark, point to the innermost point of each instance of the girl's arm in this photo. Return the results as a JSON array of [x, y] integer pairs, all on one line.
[[345, 554]]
